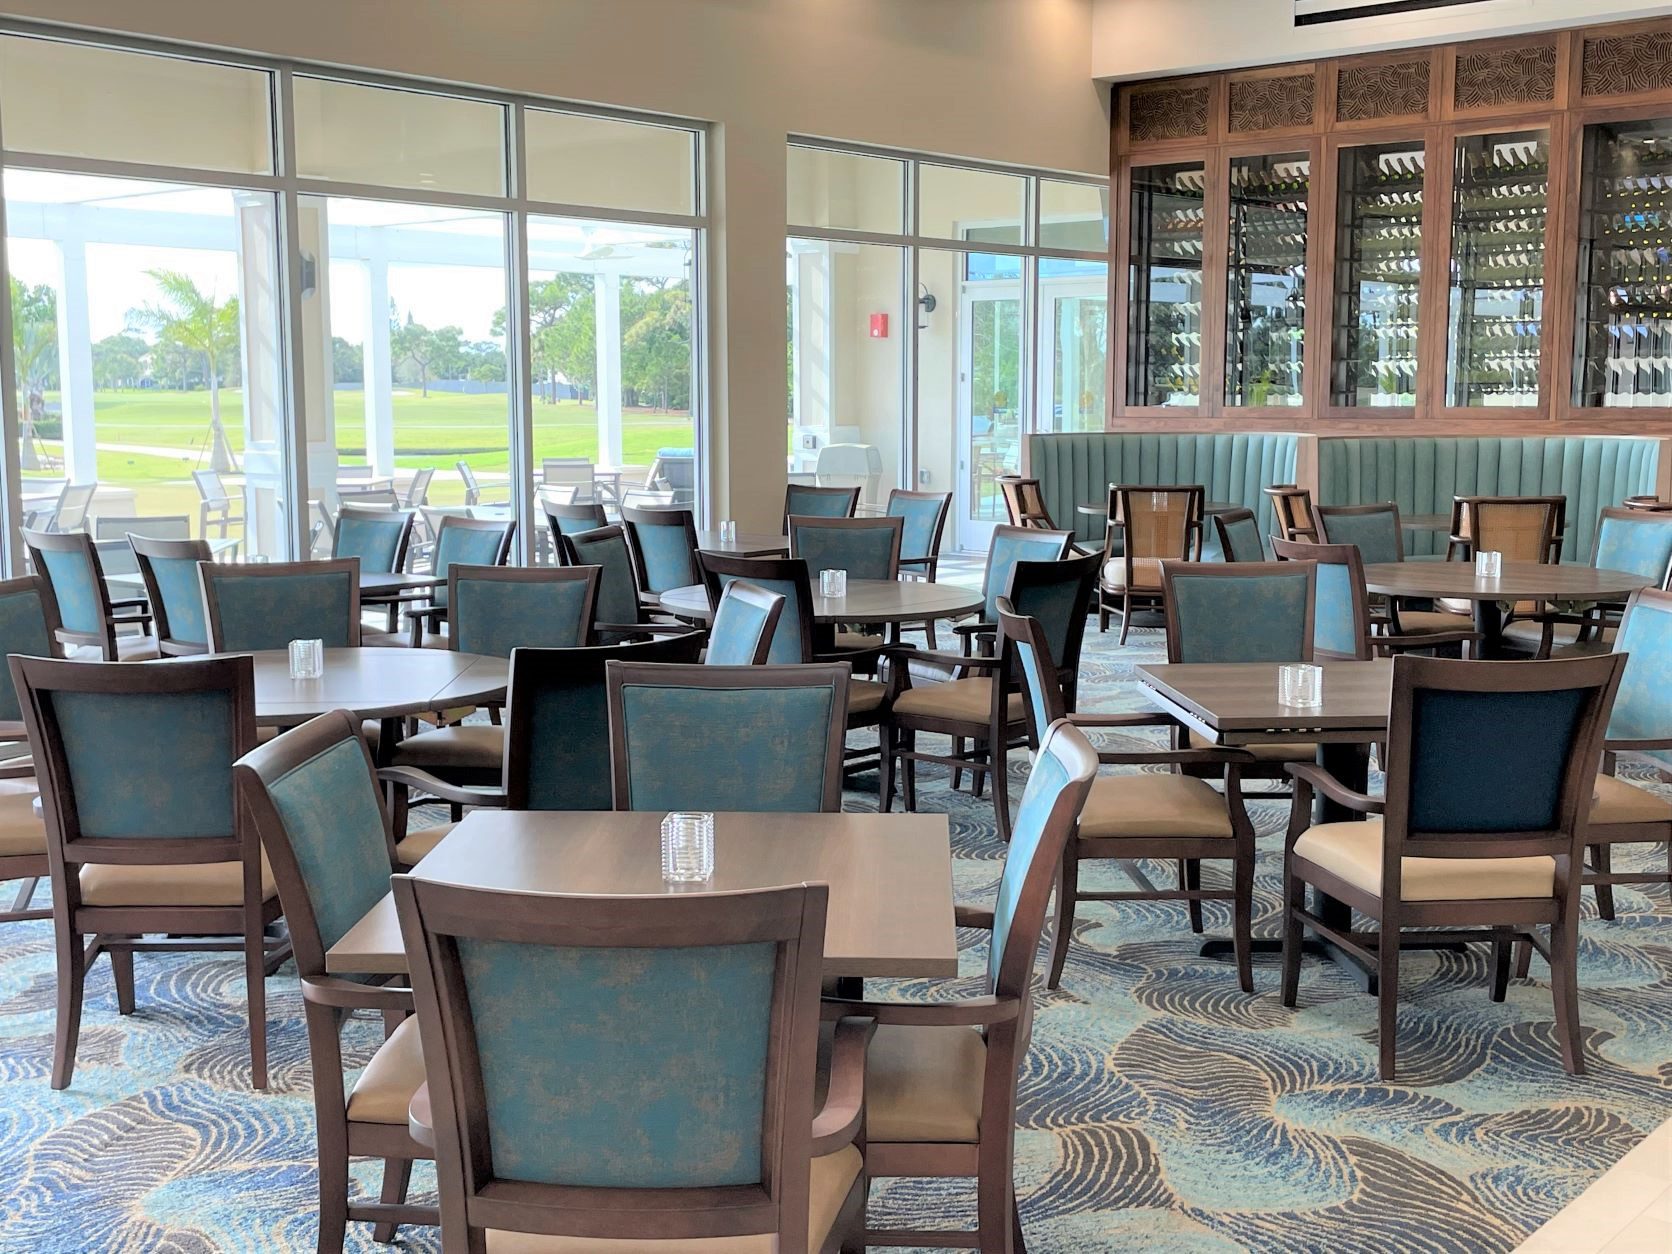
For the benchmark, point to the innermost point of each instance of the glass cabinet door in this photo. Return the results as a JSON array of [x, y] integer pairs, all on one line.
[[1623, 349], [1500, 203], [1266, 281], [1378, 275], [1164, 346]]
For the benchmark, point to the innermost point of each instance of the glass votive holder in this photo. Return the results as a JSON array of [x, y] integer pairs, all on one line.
[[833, 583], [1301, 686], [728, 531], [307, 659], [687, 847], [1489, 565]]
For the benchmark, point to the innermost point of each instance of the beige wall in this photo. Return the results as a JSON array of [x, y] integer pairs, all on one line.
[[1156, 38], [1001, 80]]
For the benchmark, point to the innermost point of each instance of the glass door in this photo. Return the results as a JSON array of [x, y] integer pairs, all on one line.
[[989, 393], [1072, 347]]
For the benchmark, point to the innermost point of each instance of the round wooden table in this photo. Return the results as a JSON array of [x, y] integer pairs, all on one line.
[[1521, 581], [870, 601]]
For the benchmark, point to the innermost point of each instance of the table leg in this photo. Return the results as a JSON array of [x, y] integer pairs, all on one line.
[[388, 736], [1489, 621]]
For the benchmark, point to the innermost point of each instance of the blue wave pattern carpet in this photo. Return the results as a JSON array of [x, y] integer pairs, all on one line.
[[1161, 1109]]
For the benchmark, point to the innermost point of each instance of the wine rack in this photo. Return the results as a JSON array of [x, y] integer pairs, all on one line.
[[1169, 217], [1266, 282], [1378, 275], [1623, 350], [1500, 208]]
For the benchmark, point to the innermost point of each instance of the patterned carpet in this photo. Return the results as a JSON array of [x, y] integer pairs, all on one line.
[[1161, 1108]]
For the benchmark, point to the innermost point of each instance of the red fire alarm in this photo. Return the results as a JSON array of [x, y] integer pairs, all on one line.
[[879, 326]]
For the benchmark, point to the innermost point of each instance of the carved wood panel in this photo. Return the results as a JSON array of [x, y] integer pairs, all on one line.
[[1168, 113], [1627, 65], [1525, 74], [1269, 104], [1388, 89]]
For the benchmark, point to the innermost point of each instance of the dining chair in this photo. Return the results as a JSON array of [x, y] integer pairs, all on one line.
[[1024, 503], [28, 626], [867, 548], [621, 613], [1379, 535], [984, 708], [1482, 845], [567, 518], [418, 490], [1522, 528], [377, 536], [694, 1128], [806, 501], [1008, 546], [216, 504], [148, 849], [664, 544], [1292, 511], [1239, 536], [266, 606], [782, 751], [312, 798], [1343, 624], [168, 569], [90, 621], [941, 1074], [1647, 504], [745, 621], [465, 541], [923, 518], [1153, 525], [1638, 541], [1143, 814]]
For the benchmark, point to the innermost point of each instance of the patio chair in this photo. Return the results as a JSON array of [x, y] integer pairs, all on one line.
[[418, 491], [215, 509], [575, 472]]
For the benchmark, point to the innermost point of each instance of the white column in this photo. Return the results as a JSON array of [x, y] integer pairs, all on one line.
[[379, 365], [75, 361], [606, 289]]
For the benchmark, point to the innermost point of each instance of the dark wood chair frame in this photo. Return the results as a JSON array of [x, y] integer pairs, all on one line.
[[458, 573], [124, 612], [122, 931], [771, 606], [1460, 545], [924, 567], [1292, 511], [807, 489], [28, 868], [432, 617], [1501, 920], [1222, 527], [145, 548], [1004, 1013], [472, 1200], [1187, 851], [391, 601], [329, 1000], [586, 511], [1130, 598], [1025, 503], [1591, 624], [1323, 513], [879, 522], [981, 637], [619, 675], [1646, 504], [634, 517], [211, 574]]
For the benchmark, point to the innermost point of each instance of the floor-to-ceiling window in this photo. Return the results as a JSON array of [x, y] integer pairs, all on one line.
[[988, 287], [283, 285]]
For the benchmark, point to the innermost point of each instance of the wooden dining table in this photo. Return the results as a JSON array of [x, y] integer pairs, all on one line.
[[890, 878], [744, 544], [869, 601]]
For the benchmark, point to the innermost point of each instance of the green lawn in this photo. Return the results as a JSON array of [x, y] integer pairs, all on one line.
[[437, 431]]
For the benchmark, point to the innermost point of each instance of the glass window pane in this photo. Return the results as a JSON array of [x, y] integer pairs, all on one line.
[[1164, 329], [578, 160], [1499, 211], [847, 336], [975, 205], [146, 327], [1267, 279], [1073, 347], [80, 101], [405, 328], [845, 191], [1073, 215], [351, 133], [1378, 264], [612, 335]]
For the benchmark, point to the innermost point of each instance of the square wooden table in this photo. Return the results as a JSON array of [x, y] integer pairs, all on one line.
[[890, 877]]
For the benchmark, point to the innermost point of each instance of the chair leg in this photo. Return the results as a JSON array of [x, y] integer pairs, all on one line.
[[1017, 1240], [998, 757], [397, 1175], [885, 784], [1602, 860], [996, 1208], [122, 973], [1501, 945], [1294, 897], [1523, 959], [1125, 616], [72, 971], [908, 771], [1102, 614], [255, 989], [1242, 914], [1190, 877], [958, 745], [1387, 996], [1068, 892], [1564, 987]]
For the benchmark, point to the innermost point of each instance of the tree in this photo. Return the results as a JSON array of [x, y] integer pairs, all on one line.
[[191, 319], [431, 353], [348, 361], [35, 353], [656, 341], [562, 324], [119, 361]]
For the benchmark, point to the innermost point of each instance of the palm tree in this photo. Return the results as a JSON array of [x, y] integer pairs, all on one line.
[[189, 319], [35, 355]]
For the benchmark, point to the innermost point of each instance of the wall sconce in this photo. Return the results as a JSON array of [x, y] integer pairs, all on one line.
[[927, 302]]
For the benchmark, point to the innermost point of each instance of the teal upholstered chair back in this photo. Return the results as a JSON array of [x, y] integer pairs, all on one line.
[[1075, 469], [500, 608], [1423, 473], [1643, 705], [867, 548], [1247, 612], [667, 546], [1056, 595], [801, 500], [1035, 665], [792, 639], [568, 519], [1635, 540], [72, 569], [1238, 536], [782, 749], [1017, 544], [1374, 532], [315, 801], [26, 627], [744, 621], [266, 607], [376, 537], [178, 589], [1335, 626], [924, 518], [618, 585], [469, 542], [557, 728]]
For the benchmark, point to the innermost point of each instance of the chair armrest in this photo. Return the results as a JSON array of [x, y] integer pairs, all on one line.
[[974, 629], [1332, 788], [910, 653], [412, 777], [972, 916], [432, 613], [1133, 718], [24, 769], [844, 1104], [1638, 746], [1220, 755], [971, 1012], [329, 990], [668, 630]]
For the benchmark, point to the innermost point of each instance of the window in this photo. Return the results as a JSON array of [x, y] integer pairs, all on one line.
[[974, 205], [846, 191], [1073, 215], [574, 159]]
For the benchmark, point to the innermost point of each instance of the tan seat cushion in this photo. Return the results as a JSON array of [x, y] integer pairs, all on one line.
[[1619, 802], [864, 696], [966, 700], [1431, 622], [469, 744], [21, 829], [196, 884], [830, 1181], [384, 1090], [1354, 852], [1146, 573], [1153, 805], [924, 1084], [856, 640], [128, 649], [1283, 751], [419, 842], [1562, 636]]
